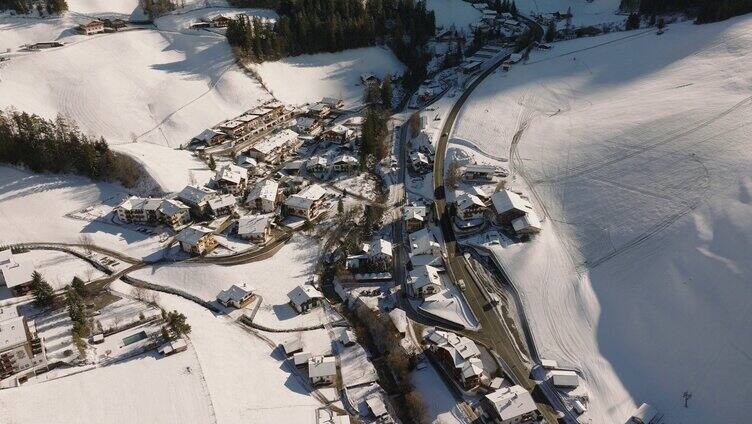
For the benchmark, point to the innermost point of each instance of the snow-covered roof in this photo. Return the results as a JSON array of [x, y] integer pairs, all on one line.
[[376, 406], [331, 101], [476, 191], [170, 207], [529, 221], [317, 161], [222, 201], [423, 276], [231, 173], [276, 141], [14, 274], [460, 348], [292, 344], [422, 242], [208, 134], [305, 198], [322, 366], [472, 367], [399, 319], [481, 169], [302, 294], [235, 293], [253, 224], [418, 157], [232, 124], [381, 247], [341, 130], [345, 159], [301, 358], [511, 402], [12, 332], [141, 203], [415, 212], [505, 201], [345, 336], [265, 189], [246, 160], [306, 122], [565, 378], [466, 201], [8, 312], [196, 195], [193, 234]]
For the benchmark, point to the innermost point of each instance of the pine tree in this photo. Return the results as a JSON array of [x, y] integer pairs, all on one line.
[[178, 324], [212, 163], [43, 293], [633, 22], [551, 31], [387, 92], [80, 287]]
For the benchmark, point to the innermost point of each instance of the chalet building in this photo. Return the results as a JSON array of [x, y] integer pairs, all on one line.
[[317, 164], [470, 207], [14, 275], [458, 355], [174, 213], [339, 134], [528, 224], [256, 228], [234, 128], [210, 137], [114, 25], [304, 298], [423, 242], [479, 173], [369, 79], [273, 149], [197, 198], [415, 217], [420, 162], [424, 281], [139, 210], [196, 240], [319, 110], [92, 27], [220, 21], [509, 206], [235, 296], [322, 370], [510, 405], [263, 196], [231, 179], [307, 125], [307, 202], [380, 255], [20, 347], [333, 103], [345, 163], [222, 205]]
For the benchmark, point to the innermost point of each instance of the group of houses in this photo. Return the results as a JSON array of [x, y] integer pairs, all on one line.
[[322, 369], [98, 26], [374, 257], [252, 123], [422, 154], [426, 258], [21, 349]]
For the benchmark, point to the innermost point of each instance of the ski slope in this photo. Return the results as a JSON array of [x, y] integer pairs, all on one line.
[[453, 12], [637, 148]]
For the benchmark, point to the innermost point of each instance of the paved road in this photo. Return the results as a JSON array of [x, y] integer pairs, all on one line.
[[493, 333]]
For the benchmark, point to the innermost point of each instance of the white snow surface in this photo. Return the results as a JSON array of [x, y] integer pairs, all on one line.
[[584, 12], [454, 12], [125, 7], [639, 153], [309, 78]]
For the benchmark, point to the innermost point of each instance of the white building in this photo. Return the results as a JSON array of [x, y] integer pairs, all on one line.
[[459, 355], [305, 204], [527, 224], [235, 296], [222, 205], [255, 228], [470, 207], [423, 242], [344, 163], [272, 149], [231, 178], [415, 217], [142, 210], [509, 206], [510, 405], [174, 213], [564, 378], [304, 298], [292, 344], [484, 173], [317, 164], [322, 370], [263, 196], [20, 348], [16, 276], [424, 281], [197, 198]]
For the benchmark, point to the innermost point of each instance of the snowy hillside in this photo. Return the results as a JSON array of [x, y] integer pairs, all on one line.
[[584, 12], [454, 12], [638, 149], [308, 78]]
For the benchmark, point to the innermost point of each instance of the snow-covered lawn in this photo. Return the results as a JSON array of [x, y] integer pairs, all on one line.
[[130, 8], [639, 151], [584, 12], [309, 78], [454, 12], [58, 268], [441, 407], [147, 389], [33, 209]]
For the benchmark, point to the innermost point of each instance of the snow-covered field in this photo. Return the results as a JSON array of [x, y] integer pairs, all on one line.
[[454, 12], [33, 209], [147, 389], [639, 151], [153, 86], [129, 8], [309, 78], [584, 12]]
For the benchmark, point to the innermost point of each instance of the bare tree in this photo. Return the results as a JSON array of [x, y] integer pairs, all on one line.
[[416, 407], [453, 173], [152, 298], [139, 293], [86, 241]]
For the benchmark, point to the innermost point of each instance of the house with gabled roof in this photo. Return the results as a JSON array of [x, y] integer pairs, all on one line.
[[196, 240], [304, 298], [263, 196], [306, 203]]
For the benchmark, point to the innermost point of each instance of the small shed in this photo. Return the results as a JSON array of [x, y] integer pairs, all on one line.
[[564, 378]]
